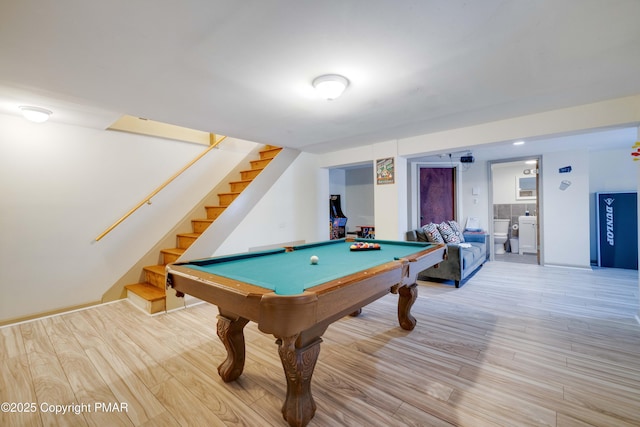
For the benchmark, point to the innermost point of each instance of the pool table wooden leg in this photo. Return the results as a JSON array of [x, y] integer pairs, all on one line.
[[230, 330], [407, 295], [298, 363]]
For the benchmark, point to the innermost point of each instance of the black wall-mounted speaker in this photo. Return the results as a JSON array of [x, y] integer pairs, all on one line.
[[466, 159]]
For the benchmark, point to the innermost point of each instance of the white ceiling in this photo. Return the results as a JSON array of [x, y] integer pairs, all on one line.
[[244, 68]]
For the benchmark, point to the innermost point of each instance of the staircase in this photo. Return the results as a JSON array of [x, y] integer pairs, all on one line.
[[149, 295]]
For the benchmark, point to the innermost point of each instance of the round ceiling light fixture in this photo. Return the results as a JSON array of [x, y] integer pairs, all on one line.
[[35, 114], [330, 86]]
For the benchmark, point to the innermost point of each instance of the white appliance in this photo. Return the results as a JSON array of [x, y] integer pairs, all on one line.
[[528, 235], [500, 235]]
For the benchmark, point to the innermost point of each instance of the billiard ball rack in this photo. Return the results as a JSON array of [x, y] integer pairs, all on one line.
[[364, 246]]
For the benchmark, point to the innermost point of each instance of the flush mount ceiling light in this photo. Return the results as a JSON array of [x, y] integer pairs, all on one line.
[[518, 143], [330, 86], [35, 114]]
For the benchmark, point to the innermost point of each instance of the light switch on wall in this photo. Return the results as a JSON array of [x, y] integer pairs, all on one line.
[[475, 191]]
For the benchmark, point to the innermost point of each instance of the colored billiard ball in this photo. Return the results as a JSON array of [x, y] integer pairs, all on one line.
[[314, 259]]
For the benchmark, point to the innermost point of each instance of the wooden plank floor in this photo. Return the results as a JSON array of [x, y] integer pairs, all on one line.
[[518, 345]]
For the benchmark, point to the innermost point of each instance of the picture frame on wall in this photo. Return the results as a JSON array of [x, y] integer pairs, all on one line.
[[385, 172]]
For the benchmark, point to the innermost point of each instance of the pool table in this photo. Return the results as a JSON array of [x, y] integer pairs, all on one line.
[[295, 300]]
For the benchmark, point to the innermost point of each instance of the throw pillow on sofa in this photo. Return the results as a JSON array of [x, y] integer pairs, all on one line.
[[457, 229], [447, 233], [433, 235]]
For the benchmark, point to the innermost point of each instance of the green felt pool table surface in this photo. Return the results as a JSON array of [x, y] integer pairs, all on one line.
[[291, 272]]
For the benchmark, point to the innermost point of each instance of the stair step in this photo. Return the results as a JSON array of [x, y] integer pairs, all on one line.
[[186, 239], [226, 198], [270, 152], [214, 212], [149, 298], [200, 224], [250, 174], [146, 291], [171, 255], [238, 186], [259, 164], [155, 274]]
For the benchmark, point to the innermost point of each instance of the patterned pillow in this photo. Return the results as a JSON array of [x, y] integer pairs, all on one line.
[[447, 233], [457, 229], [432, 233], [421, 236]]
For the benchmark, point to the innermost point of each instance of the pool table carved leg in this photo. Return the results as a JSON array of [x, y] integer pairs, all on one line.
[[230, 331], [298, 363], [406, 297]]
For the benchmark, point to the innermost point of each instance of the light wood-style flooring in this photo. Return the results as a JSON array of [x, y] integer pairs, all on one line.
[[517, 345]]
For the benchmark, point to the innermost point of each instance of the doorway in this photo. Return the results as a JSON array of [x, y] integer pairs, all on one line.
[[515, 209]]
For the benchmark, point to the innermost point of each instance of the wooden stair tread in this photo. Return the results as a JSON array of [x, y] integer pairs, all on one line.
[[159, 269], [228, 194], [242, 181], [173, 251], [271, 148], [209, 220], [252, 170], [194, 235], [146, 291]]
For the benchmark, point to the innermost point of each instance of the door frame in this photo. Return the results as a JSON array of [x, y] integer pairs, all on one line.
[[414, 190], [539, 203]]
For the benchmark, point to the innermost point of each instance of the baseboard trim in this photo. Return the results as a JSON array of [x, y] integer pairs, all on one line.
[[52, 313]]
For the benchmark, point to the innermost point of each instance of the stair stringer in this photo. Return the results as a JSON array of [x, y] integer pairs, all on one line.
[[153, 256], [216, 234]]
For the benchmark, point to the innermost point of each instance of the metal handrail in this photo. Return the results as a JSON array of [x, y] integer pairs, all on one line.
[[147, 200]]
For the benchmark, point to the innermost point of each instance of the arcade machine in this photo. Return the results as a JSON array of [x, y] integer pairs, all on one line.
[[337, 220]]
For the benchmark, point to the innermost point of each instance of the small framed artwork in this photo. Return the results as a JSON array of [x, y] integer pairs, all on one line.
[[384, 171]]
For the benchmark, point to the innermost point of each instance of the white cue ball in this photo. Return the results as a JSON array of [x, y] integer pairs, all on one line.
[[314, 259]]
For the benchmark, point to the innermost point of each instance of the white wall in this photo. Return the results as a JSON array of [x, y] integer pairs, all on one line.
[[337, 182], [295, 208], [474, 175], [504, 177], [565, 214], [612, 170], [391, 200], [355, 186], [337, 186], [358, 200], [61, 186]]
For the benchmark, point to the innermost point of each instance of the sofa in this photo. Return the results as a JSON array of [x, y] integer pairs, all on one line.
[[463, 257]]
